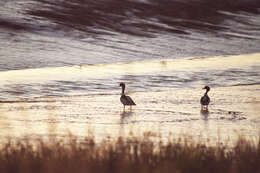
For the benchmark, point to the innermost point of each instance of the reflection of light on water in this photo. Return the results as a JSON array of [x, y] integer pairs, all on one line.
[[167, 111], [175, 111], [102, 70], [205, 114], [143, 76]]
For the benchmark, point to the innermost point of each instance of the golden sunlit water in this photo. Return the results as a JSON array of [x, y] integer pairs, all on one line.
[[234, 110], [141, 67]]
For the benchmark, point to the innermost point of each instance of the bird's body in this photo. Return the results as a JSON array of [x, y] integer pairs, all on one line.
[[126, 100], [205, 100]]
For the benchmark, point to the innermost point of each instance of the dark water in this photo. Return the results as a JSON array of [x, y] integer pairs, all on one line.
[[36, 34]]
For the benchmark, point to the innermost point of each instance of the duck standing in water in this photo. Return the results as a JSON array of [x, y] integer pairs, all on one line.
[[204, 101], [126, 100]]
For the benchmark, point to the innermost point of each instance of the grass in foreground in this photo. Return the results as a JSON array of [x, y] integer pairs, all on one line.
[[127, 155]]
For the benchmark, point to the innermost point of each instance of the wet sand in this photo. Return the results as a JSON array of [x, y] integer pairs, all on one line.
[[233, 112]]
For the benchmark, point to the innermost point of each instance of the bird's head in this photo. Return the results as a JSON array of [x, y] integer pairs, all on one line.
[[206, 88], [122, 84]]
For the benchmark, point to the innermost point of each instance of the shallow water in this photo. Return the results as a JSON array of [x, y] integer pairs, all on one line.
[[233, 112], [139, 76], [61, 63], [79, 99]]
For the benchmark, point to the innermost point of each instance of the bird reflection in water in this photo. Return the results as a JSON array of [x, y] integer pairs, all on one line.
[[205, 114]]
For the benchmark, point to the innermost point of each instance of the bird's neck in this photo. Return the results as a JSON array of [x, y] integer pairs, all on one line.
[[206, 93], [123, 91]]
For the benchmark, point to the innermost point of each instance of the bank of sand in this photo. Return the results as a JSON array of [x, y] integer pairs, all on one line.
[[233, 111]]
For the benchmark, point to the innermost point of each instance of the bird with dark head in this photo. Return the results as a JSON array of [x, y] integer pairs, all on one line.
[[125, 100], [205, 100]]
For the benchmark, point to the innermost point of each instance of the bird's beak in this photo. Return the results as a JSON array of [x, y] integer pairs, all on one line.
[[203, 88]]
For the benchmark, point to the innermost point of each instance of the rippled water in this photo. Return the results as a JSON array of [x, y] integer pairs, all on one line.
[[142, 76], [50, 33], [233, 112], [84, 48]]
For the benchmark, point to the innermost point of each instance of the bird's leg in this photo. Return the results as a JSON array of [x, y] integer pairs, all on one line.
[[204, 107]]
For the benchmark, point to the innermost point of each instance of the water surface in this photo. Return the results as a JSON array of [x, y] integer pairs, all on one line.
[[61, 63]]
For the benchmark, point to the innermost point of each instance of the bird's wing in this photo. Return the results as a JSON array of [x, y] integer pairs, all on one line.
[[130, 101]]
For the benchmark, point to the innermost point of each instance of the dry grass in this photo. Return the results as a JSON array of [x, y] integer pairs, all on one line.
[[127, 155]]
